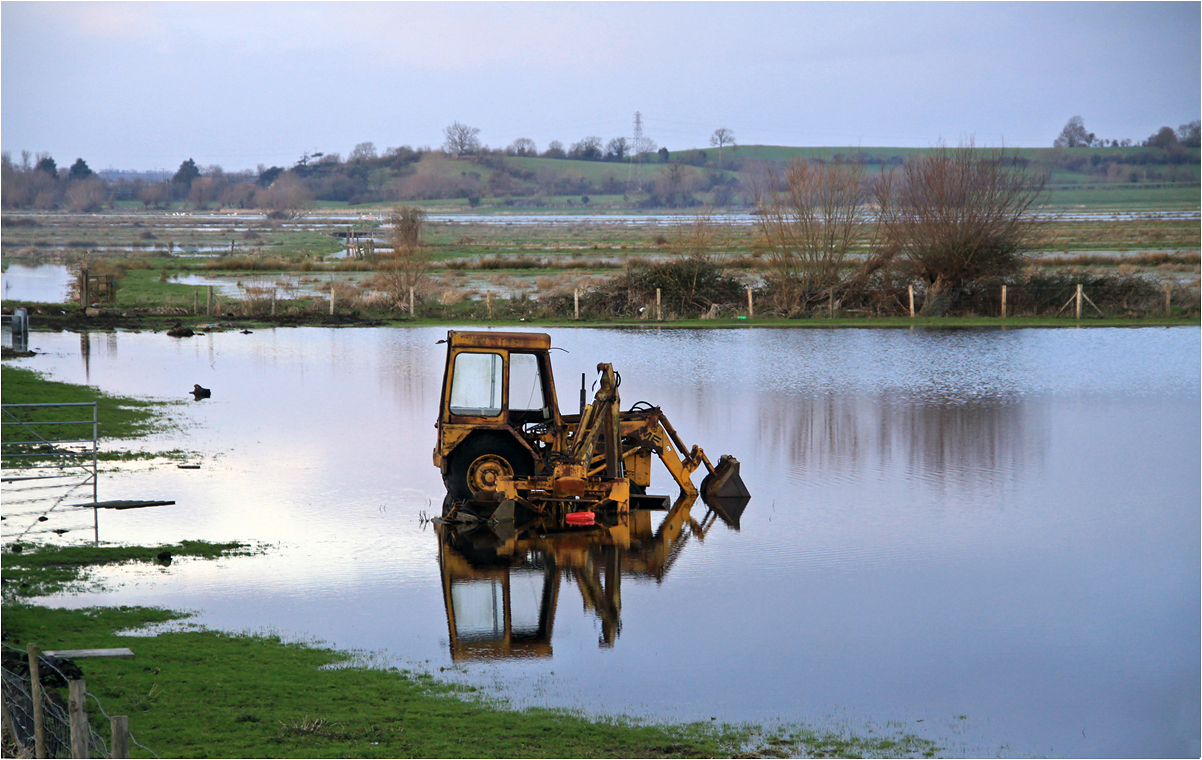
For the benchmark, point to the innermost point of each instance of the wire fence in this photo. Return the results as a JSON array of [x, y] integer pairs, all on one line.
[[19, 709]]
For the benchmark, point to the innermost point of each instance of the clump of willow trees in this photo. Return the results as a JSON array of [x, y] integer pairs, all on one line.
[[948, 218]]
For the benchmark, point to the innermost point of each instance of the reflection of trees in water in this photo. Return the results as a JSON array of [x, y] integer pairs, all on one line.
[[411, 364], [840, 438]]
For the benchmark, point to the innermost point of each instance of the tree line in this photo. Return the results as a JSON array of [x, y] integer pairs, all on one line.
[[719, 176], [1075, 135]]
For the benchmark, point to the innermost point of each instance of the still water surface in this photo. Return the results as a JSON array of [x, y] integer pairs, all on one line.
[[989, 537]]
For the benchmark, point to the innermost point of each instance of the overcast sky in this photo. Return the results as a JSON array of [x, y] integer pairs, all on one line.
[[146, 85]]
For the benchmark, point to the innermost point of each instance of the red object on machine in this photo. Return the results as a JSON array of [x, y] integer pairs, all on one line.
[[581, 518]]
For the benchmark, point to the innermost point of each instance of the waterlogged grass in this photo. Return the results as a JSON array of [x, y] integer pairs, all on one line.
[[118, 416], [30, 570], [191, 692]]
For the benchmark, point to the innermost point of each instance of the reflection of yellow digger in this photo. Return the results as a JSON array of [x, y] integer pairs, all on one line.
[[501, 582], [504, 445]]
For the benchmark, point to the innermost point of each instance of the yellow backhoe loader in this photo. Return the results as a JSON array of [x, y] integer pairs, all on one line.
[[503, 444]]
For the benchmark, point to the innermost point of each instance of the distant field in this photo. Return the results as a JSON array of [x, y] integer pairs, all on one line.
[[1131, 197]]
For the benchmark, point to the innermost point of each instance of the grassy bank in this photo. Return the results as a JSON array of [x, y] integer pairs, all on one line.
[[200, 693], [118, 417]]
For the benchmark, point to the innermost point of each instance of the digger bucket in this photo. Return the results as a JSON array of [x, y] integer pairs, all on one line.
[[724, 491]]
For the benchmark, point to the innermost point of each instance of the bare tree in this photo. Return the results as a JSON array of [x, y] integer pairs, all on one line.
[[810, 219], [1074, 135], [617, 148], [722, 137], [287, 198], [364, 151], [523, 146], [1190, 135], [588, 149], [461, 140], [953, 216], [404, 268], [88, 194], [408, 224]]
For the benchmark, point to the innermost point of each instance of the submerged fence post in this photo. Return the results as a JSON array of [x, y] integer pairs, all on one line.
[[750, 304], [77, 713], [35, 691], [120, 736], [1003, 302], [1078, 300], [576, 302], [911, 300]]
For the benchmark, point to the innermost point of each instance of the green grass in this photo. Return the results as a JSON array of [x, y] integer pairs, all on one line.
[[119, 416], [1129, 197], [42, 570]]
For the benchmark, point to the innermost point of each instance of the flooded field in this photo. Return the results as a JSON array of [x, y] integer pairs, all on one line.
[[989, 538]]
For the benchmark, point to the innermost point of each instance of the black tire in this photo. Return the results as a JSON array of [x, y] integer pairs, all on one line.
[[482, 456]]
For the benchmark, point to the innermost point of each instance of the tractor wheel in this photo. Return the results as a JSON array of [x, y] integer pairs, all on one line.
[[476, 464]]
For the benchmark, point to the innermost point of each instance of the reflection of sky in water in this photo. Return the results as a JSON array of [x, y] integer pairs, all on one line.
[[45, 283], [998, 524]]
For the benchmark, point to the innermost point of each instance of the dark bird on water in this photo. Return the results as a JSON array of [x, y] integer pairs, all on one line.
[[179, 331], [198, 393]]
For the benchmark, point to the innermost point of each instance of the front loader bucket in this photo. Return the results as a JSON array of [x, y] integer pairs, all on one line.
[[724, 491], [724, 482]]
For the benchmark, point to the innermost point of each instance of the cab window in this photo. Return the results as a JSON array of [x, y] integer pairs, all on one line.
[[476, 384], [525, 383]]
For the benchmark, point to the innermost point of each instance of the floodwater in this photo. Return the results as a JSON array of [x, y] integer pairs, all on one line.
[[44, 283], [989, 538]]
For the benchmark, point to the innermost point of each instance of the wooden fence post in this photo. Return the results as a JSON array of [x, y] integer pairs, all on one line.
[[209, 305], [659, 312], [35, 691], [77, 712], [488, 301], [1168, 299], [1078, 300], [273, 302], [576, 302], [120, 736], [411, 312], [331, 300], [1003, 302], [911, 300], [195, 302], [750, 304]]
